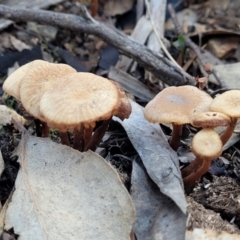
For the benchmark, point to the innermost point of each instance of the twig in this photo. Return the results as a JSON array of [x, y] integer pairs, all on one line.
[[158, 37], [198, 51], [153, 62]]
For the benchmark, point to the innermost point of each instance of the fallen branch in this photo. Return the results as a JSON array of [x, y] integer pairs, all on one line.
[[198, 51], [160, 66]]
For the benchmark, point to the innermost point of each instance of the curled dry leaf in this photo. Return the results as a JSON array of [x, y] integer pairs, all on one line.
[[160, 161], [65, 194]]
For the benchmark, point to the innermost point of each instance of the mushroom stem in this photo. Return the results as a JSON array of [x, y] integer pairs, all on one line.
[[87, 135], [38, 127], [78, 142], [190, 180], [192, 167], [176, 136], [98, 135], [64, 138], [229, 130], [42, 129], [45, 129]]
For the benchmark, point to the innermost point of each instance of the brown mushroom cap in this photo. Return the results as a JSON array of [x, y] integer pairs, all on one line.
[[207, 144], [227, 103], [85, 98], [12, 84], [210, 120], [125, 108], [37, 81], [177, 105]]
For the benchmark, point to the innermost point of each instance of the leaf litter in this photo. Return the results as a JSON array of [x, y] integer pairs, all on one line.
[[160, 161], [158, 217], [65, 194]]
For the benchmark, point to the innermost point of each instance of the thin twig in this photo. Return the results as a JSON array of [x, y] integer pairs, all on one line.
[[198, 51], [153, 62], [159, 38]]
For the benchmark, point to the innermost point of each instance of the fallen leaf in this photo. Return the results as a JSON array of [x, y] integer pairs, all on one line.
[[186, 16], [160, 161], [65, 194], [158, 217], [7, 115], [230, 73], [25, 4], [19, 45], [209, 234], [5, 42], [220, 47], [113, 8], [49, 32]]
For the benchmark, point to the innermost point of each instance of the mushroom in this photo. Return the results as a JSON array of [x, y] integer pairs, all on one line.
[[177, 105], [12, 84], [206, 145], [205, 120], [38, 79], [30, 81], [122, 112], [229, 104], [79, 104]]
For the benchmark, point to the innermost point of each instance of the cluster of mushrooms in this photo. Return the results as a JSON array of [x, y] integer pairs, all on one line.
[[75, 103], [189, 105], [82, 105]]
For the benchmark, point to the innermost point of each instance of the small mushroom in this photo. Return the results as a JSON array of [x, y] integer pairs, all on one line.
[[205, 120], [30, 81], [177, 105], [229, 104], [37, 81], [12, 84], [206, 145]]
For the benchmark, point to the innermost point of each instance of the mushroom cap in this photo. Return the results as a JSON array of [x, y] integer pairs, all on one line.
[[177, 105], [37, 81], [207, 144], [210, 120], [12, 84], [227, 103], [125, 108], [85, 98]]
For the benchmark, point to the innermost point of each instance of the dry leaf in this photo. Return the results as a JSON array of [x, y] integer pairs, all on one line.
[[113, 8], [220, 47], [7, 114], [160, 161], [65, 194], [18, 45], [229, 73], [208, 234], [158, 217], [186, 16], [26, 4]]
